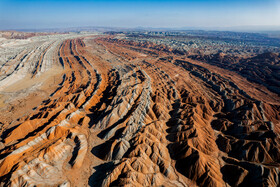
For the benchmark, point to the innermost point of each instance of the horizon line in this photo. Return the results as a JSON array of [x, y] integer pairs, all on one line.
[[245, 28]]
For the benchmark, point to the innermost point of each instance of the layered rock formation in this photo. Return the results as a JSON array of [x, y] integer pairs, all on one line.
[[263, 68], [123, 114]]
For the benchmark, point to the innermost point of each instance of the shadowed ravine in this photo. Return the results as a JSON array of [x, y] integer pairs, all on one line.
[[88, 110]]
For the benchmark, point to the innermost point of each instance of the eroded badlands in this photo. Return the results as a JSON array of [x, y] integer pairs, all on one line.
[[88, 110]]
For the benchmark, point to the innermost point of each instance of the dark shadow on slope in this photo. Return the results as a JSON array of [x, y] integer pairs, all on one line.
[[101, 172]]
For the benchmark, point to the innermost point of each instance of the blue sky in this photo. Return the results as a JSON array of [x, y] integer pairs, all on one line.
[[23, 14]]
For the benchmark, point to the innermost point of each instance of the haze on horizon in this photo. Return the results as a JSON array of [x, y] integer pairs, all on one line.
[[35, 14]]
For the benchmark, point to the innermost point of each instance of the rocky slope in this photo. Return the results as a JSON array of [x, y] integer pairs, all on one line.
[[122, 114], [263, 68]]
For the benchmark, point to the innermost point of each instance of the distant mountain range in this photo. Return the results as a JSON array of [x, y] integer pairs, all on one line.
[[273, 31]]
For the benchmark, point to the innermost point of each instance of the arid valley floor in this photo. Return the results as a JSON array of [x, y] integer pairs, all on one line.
[[130, 109]]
